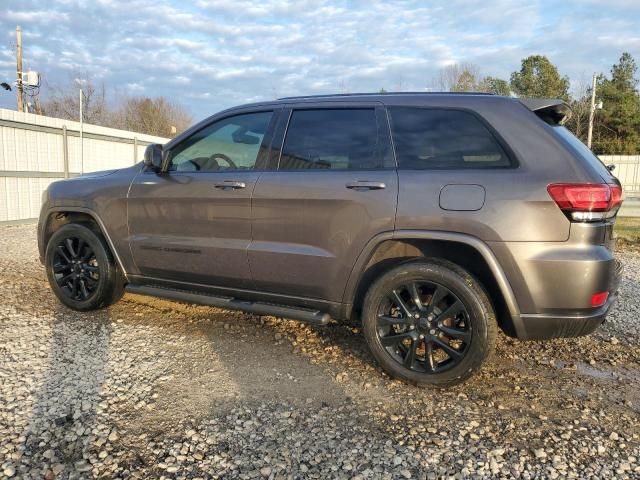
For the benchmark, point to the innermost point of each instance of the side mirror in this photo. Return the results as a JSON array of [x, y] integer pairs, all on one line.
[[153, 157]]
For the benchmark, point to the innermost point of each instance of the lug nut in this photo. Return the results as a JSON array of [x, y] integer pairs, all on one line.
[[416, 316], [432, 332]]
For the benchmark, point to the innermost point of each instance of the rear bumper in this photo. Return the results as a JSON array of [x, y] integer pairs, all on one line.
[[546, 326]]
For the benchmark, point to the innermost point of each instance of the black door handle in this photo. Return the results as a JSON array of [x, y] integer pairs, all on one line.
[[366, 185], [230, 185]]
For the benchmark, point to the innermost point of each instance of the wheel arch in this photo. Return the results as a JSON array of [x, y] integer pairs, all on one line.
[[58, 216], [385, 251]]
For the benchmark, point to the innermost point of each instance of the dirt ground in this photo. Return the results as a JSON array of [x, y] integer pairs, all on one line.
[[156, 389]]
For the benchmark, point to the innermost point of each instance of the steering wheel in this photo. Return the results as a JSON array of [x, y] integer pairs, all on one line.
[[223, 157], [196, 167]]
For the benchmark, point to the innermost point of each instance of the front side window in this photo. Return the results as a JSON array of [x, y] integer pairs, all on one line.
[[229, 144], [427, 138], [331, 139]]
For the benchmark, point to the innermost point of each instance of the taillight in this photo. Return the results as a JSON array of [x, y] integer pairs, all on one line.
[[616, 196], [599, 299], [587, 202]]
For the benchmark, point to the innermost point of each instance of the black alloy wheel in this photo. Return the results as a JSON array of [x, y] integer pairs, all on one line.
[[429, 322], [75, 268], [81, 269], [424, 327]]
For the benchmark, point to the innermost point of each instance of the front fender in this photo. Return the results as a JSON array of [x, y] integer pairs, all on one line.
[[45, 217]]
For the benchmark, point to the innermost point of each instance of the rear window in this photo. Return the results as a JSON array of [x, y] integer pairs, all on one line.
[[583, 151], [426, 138]]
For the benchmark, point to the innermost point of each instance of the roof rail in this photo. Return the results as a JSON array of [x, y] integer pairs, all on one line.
[[371, 94]]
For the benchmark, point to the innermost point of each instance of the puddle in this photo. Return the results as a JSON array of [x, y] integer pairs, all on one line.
[[584, 369]]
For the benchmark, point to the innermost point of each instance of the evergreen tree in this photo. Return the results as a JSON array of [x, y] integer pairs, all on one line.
[[538, 77], [617, 125]]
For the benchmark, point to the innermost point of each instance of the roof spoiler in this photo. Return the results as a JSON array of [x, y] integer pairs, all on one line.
[[552, 110]]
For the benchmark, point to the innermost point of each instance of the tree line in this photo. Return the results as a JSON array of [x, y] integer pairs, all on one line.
[[616, 126], [149, 115]]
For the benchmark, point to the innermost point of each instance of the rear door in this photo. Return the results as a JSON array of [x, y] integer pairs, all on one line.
[[334, 189], [193, 222]]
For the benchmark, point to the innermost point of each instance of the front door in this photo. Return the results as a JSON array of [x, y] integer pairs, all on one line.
[[335, 189], [192, 223]]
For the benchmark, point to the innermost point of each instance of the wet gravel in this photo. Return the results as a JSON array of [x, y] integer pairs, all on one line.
[[155, 389]]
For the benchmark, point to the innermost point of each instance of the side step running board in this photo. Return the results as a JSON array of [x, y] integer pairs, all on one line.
[[304, 315]]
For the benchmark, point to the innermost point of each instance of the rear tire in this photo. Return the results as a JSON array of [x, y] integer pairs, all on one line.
[[81, 270], [429, 323]]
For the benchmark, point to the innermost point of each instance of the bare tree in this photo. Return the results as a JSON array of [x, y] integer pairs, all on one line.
[[153, 116], [466, 77], [64, 102], [494, 85], [580, 103], [458, 77]]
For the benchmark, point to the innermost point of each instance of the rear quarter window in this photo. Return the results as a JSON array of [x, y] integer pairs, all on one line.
[[431, 138], [582, 151]]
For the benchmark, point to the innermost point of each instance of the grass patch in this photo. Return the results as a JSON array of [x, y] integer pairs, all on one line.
[[628, 228]]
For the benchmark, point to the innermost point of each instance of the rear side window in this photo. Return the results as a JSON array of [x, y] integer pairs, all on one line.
[[438, 138], [331, 139]]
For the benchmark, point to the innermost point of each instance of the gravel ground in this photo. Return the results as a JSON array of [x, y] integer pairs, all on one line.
[[155, 389]]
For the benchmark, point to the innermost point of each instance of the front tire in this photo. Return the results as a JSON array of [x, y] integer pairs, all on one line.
[[81, 270], [429, 323]]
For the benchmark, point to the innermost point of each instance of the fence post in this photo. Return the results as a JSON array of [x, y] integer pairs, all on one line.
[[65, 151], [135, 150]]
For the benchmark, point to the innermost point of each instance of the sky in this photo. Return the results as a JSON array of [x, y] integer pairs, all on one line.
[[212, 54]]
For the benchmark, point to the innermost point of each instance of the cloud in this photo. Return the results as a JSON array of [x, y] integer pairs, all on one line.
[[211, 54], [36, 16]]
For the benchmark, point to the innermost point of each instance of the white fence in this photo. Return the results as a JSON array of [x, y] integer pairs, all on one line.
[[627, 170], [37, 150]]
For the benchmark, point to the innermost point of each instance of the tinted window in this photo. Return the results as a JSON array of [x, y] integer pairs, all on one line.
[[582, 150], [331, 139], [432, 138], [230, 144]]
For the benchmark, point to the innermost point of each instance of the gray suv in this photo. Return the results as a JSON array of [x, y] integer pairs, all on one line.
[[433, 219]]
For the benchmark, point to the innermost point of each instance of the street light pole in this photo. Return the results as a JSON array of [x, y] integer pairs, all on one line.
[[592, 110]]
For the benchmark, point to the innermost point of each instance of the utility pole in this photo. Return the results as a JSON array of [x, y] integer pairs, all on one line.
[[81, 137], [592, 111], [19, 67]]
